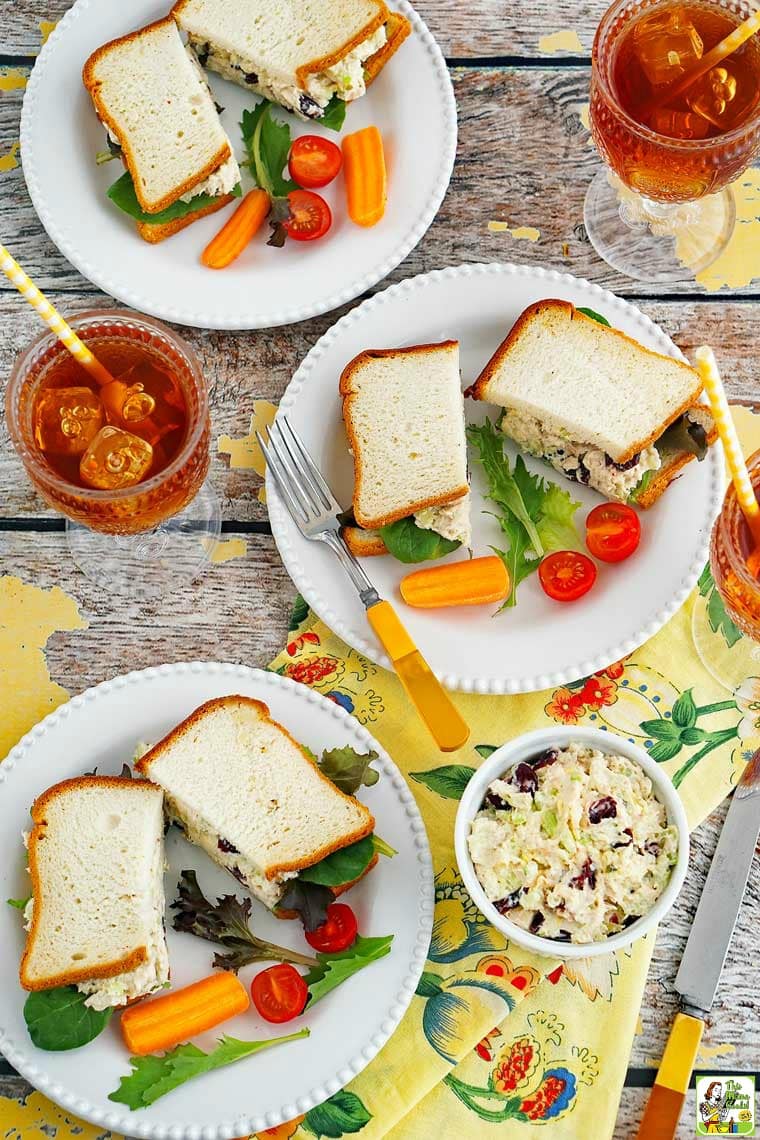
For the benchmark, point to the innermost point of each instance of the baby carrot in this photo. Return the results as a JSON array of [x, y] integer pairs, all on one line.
[[457, 584], [237, 231], [365, 175], [153, 1026]]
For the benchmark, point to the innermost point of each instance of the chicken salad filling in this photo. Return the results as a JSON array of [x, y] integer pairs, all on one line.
[[573, 845], [345, 78]]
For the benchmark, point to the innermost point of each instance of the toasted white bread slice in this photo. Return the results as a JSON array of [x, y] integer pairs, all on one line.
[[156, 233], [152, 97], [96, 860], [363, 543], [404, 416], [296, 52], [247, 793], [588, 381]]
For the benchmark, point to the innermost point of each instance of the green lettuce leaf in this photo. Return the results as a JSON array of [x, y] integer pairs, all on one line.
[[336, 968], [349, 769], [19, 904], [122, 194], [411, 543], [555, 524], [534, 514], [267, 142], [155, 1076], [335, 114]]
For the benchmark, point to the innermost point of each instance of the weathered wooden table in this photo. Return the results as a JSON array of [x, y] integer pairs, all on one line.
[[524, 157]]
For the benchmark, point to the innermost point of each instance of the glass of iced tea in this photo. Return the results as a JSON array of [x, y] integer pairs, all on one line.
[[734, 565], [125, 463], [664, 210]]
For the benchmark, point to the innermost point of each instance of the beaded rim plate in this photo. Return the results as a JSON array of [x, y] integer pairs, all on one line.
[[100, 729]]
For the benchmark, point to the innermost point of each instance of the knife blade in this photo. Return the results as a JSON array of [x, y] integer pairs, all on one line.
[[713, 927], [706, 948]]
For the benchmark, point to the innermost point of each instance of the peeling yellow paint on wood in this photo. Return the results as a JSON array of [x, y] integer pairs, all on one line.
[[521, 233], [565, 40], [245, 452], [224, 551], [47, 27], [9, 161], [36, 1118], [12, 79], [29, 616], [739, 264], [710, 1052]]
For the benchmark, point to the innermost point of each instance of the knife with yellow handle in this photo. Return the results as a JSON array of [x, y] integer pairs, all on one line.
[[316, 512], [426, 692], [702, 963]]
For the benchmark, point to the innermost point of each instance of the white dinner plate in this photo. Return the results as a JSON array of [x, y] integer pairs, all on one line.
[[539, 643], [412, 102], [348, 1027]]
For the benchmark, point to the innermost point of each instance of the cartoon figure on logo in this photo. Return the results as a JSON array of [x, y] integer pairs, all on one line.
[[713, 1108]]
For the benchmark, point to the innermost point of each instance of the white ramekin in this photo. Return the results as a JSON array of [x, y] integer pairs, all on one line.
[[523, 748]]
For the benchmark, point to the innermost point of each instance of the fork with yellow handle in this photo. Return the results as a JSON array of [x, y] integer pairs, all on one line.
[[315, 511]]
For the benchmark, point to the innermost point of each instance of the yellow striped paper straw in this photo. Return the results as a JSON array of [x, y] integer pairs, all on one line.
[[52, 318], [708, 370], [726, 47]]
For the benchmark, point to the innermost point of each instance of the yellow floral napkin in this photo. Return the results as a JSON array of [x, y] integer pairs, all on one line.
[[496, 1040]]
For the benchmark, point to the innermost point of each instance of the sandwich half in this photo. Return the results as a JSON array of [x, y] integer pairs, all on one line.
[[151, 95], [302, 54], [595, 404], [404, 415], [252, 798], [96, 916]]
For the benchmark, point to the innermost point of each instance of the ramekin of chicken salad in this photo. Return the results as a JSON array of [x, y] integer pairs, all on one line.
[[572, 841]]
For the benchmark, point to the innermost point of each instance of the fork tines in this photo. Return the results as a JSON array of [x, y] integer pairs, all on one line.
[[304, 491]]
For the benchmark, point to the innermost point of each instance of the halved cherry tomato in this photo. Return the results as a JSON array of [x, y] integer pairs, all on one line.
[[566, 575], [279, 993], [337, 932], [613, 532], [314, 161], [310, 216]]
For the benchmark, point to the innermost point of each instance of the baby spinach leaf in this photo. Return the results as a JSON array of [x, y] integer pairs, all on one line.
[[155, 1076], [349, 769], [411, 543], [58, 1019], [336, 968], [122, 194], [341, 866], [594, 316], [335, 114]]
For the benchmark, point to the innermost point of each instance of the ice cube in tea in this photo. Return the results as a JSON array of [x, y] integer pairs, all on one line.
[[666, 45], [115, 459], [721, 99], [679, 124], [66, 420]]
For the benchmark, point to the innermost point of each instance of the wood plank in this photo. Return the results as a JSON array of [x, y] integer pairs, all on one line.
[[488, 28], [244, 367], [523, 157]]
